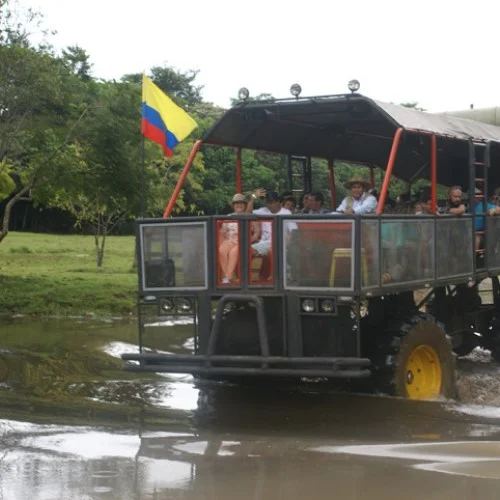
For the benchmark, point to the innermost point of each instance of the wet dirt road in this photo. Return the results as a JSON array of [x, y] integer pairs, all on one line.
[[73, 426]]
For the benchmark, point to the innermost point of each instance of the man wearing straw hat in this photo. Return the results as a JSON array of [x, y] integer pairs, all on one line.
[[359, 202]]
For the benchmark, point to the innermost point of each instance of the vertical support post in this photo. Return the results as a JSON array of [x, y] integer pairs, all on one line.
[[388, 171], [433, 174], [372, 178], [309, 174], [486, 168], [472, 200], [289, 179], [143, 178], [239, 184], [182, 177], [331, 164]]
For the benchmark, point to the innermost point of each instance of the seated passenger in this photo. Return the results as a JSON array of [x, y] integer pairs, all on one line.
[[289, 203], [229, 242], [455, 204], [360, 202], [424, 206], [306, 199], [262, 237], [316, 201], [479, 221]]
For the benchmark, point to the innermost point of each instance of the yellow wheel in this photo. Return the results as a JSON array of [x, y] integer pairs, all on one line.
[[423, 373], [424, 366]]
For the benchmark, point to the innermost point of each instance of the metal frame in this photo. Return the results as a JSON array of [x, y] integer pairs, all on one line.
[[142, 286]]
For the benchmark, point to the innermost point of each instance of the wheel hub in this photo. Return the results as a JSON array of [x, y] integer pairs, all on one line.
[[423, 373]]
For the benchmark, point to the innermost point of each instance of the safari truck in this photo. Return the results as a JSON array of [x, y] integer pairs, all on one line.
[[336, 295]]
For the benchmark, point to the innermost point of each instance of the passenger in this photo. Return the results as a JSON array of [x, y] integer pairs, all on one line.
[[306, 200], [495, 199], [289, 203], [316, 201], [424, 207], [455, 204], [229, 242], [262, 236], [360, 202], [491, 209]]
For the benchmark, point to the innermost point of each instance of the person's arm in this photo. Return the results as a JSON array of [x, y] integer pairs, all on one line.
[[341, 207], [259, 193], [460, 210], [256, 231], [494, 210], [368, 206]]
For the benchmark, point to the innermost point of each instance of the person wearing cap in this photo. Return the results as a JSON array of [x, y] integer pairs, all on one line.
[[360, 202], [229, 241]]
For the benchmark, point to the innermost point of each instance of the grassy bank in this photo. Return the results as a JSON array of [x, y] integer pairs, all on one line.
[[57, 275]]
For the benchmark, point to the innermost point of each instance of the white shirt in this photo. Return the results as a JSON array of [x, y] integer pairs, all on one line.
[[267, 227], [365, 205]]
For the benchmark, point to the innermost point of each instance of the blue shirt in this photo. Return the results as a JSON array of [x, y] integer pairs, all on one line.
[[479, 220]]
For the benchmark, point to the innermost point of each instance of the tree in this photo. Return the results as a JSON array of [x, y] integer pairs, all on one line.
[[100, 186], [77, 61], [41, 100]]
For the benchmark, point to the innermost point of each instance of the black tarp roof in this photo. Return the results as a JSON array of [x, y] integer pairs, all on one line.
[[353, 128]]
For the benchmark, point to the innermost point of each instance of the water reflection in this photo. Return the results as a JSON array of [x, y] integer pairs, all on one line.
[[165, 436], [48, 462]]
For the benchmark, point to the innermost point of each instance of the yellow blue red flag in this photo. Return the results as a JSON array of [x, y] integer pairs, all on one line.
[[162, 120]]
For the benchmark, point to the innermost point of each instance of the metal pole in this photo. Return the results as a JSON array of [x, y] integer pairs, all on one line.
[[239, 184], [143, 178], [388, 172], [182, 177], [433, 174], [331, 164]]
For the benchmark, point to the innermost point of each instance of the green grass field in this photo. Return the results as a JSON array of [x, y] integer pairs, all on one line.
[[58, 275]]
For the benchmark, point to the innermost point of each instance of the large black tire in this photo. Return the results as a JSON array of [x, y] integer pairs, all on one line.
[[419, 361]]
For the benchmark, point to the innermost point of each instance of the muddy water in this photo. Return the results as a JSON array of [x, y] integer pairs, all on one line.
[[73, 425]]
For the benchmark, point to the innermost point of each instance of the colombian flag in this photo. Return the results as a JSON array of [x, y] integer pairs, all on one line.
[[162, 120]]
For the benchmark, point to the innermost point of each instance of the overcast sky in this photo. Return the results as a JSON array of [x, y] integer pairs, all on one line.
[[441, 53]]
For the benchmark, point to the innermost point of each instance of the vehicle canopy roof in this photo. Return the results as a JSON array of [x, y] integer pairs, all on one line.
[[354, 128]]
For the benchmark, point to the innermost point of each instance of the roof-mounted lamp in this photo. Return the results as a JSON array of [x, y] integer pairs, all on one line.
[[295, 90], [353, 86], [243, 94]]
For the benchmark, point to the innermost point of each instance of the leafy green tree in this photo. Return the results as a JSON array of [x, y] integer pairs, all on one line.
[[100, 186], [39, 109]]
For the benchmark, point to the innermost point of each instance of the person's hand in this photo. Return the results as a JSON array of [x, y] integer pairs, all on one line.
[[259, 193], [348, 211]]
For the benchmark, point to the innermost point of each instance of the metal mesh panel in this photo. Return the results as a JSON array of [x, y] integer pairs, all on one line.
[[370, 262], [407, 251], [174, 256], [454, 247], [318, 254], [493, 236]]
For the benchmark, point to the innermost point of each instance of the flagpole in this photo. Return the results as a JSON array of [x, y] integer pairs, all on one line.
[[143, 176], [143, 167]]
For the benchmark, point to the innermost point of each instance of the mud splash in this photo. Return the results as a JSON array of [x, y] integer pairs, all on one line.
[[479, 379]]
